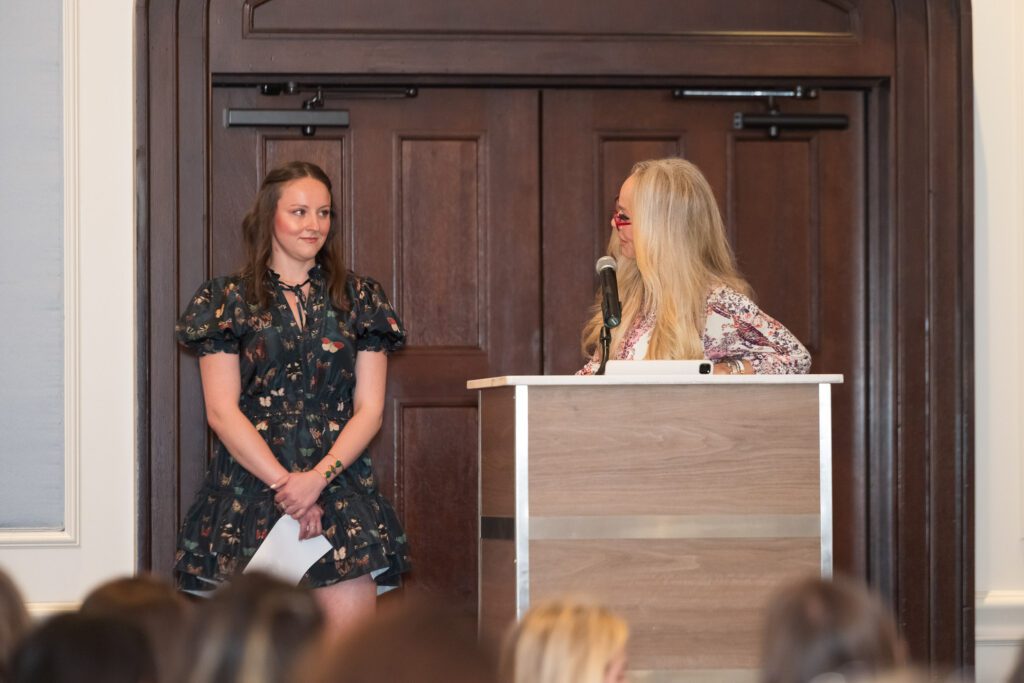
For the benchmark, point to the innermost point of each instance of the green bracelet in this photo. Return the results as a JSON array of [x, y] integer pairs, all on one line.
[[334, 469]]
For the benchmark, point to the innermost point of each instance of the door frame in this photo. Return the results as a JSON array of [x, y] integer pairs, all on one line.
[[920, 515]]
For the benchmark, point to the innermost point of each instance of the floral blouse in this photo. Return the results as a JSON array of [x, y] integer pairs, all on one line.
[[735, 328]]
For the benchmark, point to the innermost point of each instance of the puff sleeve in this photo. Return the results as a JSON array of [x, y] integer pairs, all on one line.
[[215, 319], [737, 328], [378, 327]]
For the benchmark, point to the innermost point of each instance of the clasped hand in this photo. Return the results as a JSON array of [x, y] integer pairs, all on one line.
[[297, 492]]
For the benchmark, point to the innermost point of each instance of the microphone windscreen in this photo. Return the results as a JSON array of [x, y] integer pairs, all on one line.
[[605, 262]]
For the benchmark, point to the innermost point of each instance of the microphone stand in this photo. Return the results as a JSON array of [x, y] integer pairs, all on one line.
[[606, 346]]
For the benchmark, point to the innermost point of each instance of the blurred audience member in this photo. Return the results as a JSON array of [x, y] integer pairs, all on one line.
[[1017, 675], [408, 643], [82, 648], [14, 621], [253, 630], [817, 627], [155, 607], [564, 641]]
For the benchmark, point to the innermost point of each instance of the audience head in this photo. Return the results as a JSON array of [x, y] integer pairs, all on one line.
[[566, 641], [82, 648], [408, 642], [14, 620], [817, 626], [161, 612], [1017, 674], [254, 629]]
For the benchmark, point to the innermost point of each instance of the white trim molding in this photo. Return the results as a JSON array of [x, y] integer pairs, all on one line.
[[55, 570], [68, 534], [999, 618], [1016, 145]]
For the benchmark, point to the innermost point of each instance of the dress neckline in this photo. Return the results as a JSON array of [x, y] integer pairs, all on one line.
[[302, 299]]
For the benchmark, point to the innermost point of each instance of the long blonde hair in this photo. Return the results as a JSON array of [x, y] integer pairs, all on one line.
[[681, 254], [563, 640]]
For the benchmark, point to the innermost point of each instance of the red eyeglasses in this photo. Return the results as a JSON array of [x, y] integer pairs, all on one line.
[[620, 220]]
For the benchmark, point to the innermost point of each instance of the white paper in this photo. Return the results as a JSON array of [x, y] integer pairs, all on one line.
[[283, 555]]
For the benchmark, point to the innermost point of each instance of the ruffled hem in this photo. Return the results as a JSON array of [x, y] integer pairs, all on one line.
[[222, 531]]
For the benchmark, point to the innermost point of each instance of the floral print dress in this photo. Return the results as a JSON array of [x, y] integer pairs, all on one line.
[[297, 388], [734, 328]]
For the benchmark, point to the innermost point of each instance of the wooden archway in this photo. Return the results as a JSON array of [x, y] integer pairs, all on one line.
[[912, 59]]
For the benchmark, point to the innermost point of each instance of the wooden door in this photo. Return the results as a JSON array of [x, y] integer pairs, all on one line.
[[912, 57], [438, 199], [794, 210]]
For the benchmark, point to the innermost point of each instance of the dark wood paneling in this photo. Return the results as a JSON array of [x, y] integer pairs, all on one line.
[[143, 176], [440, 240], [607, 37], [327, 151], [915, 501], [538, 17], [774, 205], [442, 535], [932, 490]]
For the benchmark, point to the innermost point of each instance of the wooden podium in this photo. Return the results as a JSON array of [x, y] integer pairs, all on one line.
[[680, 502]]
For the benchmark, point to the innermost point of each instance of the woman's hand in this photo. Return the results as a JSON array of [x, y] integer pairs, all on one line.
[[310, 525], [727, 367], [299, 492]]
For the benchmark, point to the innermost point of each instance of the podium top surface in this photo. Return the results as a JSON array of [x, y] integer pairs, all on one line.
[[590, 380]]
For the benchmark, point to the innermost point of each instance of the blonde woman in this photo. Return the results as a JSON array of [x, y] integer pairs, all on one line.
[[566, 642], [682, 295]]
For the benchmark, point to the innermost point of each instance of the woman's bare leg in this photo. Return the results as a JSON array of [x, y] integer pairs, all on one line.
[[347, 603]]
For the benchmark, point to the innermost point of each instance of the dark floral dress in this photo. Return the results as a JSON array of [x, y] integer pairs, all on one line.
[[297, 388]]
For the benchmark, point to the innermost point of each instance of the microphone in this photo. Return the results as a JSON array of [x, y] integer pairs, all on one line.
[[610, 307]]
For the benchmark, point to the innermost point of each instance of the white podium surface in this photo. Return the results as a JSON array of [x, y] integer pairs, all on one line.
[[603, 380]]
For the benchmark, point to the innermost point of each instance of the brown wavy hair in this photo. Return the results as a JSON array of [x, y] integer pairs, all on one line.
[[258, 234], [817, 626]]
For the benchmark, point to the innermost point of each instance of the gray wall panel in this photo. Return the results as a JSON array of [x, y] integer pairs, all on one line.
[[31, 266]]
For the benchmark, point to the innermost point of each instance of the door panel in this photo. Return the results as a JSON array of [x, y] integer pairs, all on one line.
[[794, 213], [437, 198]]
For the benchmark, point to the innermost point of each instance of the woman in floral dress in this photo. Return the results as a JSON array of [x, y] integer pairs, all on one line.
[[293, 360], [682, 296]]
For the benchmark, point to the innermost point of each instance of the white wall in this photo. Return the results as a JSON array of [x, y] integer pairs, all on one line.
[[999, 333], [99, 305]]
